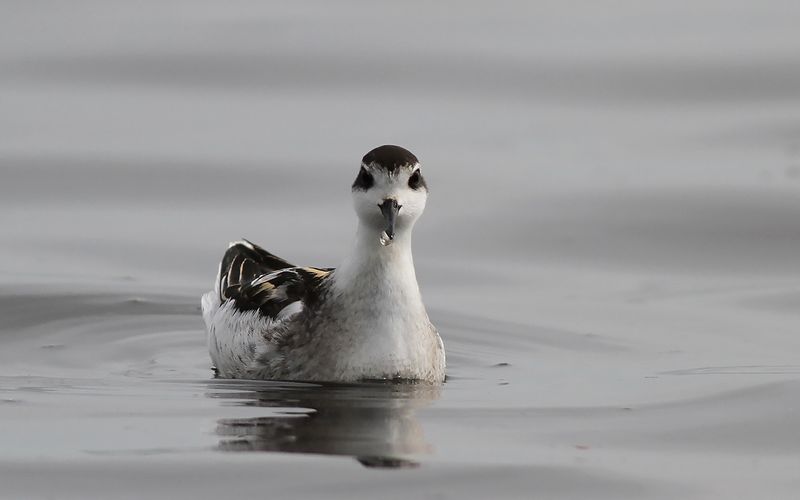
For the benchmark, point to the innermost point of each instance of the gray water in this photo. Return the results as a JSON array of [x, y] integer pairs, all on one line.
[[610, 250]]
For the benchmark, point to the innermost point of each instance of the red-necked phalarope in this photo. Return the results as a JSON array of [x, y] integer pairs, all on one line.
[[268, 319]]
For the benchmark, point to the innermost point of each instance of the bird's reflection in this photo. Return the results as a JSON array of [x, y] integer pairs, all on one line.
[[372, 422]]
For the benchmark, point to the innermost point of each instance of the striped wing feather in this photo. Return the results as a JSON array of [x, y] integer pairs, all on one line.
[[255, 279]]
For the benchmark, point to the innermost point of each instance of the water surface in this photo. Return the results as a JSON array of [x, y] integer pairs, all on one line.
[[609, 250]]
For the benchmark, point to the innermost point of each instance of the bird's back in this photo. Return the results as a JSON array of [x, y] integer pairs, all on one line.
[[255, 297]]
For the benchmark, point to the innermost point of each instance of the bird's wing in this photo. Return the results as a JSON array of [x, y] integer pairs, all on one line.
[[244, 261], [255, 279], [271, 293]]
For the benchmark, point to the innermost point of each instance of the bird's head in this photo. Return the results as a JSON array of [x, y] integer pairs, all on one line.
[[389, 193]]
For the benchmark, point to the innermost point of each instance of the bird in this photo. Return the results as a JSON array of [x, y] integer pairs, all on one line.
[[364, 320]]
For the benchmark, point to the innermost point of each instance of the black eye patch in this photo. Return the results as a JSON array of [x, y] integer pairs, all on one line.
[[416, 181], [364, 180]]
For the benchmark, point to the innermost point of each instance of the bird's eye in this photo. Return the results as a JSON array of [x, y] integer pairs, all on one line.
[[415, 181], [364, 180]]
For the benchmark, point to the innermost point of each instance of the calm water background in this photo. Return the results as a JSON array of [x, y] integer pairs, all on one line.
[[611, 249]]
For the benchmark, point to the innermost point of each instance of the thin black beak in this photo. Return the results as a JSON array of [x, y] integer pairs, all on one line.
[[389, 209]]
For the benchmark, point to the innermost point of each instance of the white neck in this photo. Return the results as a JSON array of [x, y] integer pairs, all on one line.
[[380, 321], [379, 273]]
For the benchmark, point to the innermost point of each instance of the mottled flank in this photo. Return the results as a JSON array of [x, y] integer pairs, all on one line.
[[390, 157]]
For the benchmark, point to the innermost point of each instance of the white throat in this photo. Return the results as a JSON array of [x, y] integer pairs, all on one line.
[[378, 277]]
